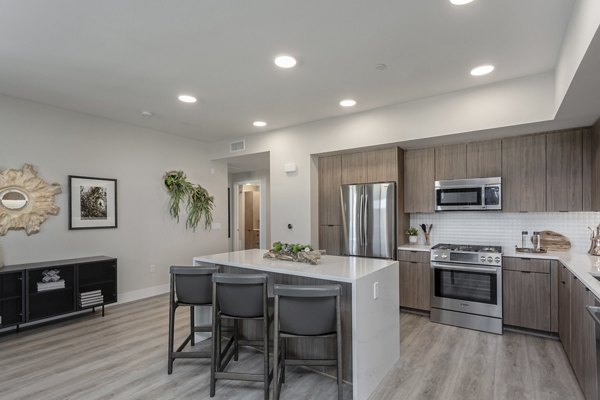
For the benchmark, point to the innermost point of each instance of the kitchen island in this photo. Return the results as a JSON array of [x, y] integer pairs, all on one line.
[[370, 308]]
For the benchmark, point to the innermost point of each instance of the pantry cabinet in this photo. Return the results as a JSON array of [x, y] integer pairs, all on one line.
[[330, 239], [415, 280], [330, 180], [419, 179]]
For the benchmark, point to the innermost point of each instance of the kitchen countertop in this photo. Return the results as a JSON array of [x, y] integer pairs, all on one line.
[[334, 268], [583, 266]]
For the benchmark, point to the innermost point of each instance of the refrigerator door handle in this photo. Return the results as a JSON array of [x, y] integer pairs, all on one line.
[[360, 219], [365, 220]]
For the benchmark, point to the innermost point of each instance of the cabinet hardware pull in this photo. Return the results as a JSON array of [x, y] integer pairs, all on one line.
[[525, 259], [587, 290], [564, 283], [525, 272]]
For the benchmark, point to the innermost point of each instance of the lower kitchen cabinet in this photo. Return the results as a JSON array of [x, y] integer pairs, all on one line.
[[564, 309], [530, 291], [583, 339], [415, 285]]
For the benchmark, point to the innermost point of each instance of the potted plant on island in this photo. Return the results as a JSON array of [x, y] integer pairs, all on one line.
[[413, 235]]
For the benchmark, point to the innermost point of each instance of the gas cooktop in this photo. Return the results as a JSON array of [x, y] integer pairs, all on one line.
[[468, 248]]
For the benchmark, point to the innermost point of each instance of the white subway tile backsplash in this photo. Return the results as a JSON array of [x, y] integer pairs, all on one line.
[[504, 229]]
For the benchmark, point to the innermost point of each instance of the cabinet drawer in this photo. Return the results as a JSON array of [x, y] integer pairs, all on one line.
[[526, 264], [413, 256]]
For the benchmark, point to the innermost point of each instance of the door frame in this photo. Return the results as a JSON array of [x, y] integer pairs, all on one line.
[[236, 240]]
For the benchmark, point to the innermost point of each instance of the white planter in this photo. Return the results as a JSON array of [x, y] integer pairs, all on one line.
[[412, 239]]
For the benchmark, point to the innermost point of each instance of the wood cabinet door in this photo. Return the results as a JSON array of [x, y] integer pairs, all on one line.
[[330, 180], [564, 170], [415, 283], [527, 299], [330, 239], [564, 309], [354, 168], [524, 173], [382, 165], [484, 159], [451, 162], [577, 340], [419, 180], [590, 387]]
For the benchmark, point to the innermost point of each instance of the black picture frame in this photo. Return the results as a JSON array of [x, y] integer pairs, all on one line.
[[92, 203]]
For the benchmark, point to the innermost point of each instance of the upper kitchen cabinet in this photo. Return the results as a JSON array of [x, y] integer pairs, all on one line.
[[484, 159], [330, 180], [451, 162], [354, 168], [419, 178], [524, 173], [564, 171], [382, 165]]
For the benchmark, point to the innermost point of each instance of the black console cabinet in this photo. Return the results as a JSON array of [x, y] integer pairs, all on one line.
[[21, 302]]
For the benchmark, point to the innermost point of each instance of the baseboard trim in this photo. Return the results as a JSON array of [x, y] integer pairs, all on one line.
[[140, 294]]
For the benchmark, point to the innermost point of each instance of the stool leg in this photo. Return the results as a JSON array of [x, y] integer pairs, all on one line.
[[193, 340], [213, 359], [276, 349], [338, 336], [171, 325], [236, 346], [266, 360], [283, 358]]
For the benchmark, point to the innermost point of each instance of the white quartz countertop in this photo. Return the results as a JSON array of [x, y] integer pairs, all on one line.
[[334, 268]]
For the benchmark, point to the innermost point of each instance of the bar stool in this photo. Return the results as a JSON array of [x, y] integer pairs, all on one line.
[[306, 312], [190, 287], [239, 297]]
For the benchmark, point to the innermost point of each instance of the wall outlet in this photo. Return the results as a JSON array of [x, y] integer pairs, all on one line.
[[375, 290], [152, 268]]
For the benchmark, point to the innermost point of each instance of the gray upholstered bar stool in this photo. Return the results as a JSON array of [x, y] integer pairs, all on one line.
[[191, 287], [302, 312], [239, 297]]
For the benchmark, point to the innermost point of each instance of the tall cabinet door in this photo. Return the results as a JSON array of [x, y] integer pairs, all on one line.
[[524, 173], [330, 239], [564, 309], [419, 179], [564, 170], [330, 180]]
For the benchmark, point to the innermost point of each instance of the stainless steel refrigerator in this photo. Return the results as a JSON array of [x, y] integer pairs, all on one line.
[[369, 218]]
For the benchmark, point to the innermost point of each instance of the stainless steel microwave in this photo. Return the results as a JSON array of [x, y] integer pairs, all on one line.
[[481, 194]]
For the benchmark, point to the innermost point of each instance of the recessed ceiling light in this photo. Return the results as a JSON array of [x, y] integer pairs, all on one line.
[[259, 124], [482, 70], [186, 98], [460, 2], [146, 114], [348, 103], [380, 67], [285, 61]]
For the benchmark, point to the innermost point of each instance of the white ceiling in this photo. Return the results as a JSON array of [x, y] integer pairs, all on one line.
[[115, 58]]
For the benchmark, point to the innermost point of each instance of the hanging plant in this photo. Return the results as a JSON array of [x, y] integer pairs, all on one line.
[[199, 203]]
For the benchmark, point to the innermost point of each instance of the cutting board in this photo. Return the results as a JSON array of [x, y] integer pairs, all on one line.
[[554, 241]]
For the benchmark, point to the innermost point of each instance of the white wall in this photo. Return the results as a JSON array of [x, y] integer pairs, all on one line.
[[61, 143], [583, 24], [520, 101], [504, 229]]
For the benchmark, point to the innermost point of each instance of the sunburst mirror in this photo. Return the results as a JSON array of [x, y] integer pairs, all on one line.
[[26, 200]]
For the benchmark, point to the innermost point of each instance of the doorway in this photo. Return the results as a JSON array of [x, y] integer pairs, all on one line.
[[249, 216]]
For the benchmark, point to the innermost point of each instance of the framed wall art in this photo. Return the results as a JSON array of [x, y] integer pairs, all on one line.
[[92, 202]]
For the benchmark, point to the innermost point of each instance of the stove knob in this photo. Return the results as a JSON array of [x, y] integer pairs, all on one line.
[[497, 259], [482, 258], [436, 255], [444, 256], [490, 259]]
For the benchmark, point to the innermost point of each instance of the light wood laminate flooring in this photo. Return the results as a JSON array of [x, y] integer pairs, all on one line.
[[123, 356]]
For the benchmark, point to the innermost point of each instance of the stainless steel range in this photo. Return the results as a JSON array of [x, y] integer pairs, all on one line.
[[466, 286]]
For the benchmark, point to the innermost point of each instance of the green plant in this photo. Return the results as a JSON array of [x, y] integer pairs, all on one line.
[[412, 231], [294, 248], [199, 203]]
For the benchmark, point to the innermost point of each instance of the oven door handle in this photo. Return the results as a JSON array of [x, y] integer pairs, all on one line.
[[467, 269]]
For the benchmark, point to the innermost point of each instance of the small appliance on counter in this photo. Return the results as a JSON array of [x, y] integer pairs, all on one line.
[[466, 286], [595, 242]]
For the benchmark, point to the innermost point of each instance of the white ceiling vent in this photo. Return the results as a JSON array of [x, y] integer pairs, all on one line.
[[240, 145]]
